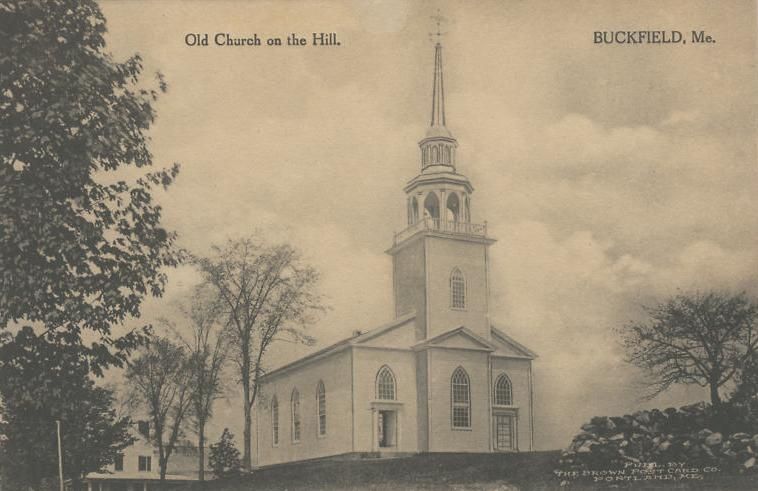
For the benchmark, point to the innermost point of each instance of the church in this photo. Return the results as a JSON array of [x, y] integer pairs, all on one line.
[[440, 377]]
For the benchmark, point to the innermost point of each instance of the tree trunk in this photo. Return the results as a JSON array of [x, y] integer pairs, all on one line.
[[246, 459], [201, 449], [715, 398], [162, 460]]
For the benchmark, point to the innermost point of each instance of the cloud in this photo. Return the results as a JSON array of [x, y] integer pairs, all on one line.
[[677, 118]]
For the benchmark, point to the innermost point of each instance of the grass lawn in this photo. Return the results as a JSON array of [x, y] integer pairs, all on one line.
[[459, 472]]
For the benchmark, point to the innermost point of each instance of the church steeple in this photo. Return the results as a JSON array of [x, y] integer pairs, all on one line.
[[440, 259], [438, 146], [438, 92]]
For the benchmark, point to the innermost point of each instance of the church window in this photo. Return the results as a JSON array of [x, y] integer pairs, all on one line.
[[432, 206], [447, 155], [435, 155], [457, 289], [503, 391], [385, 384], [321, 402], [414, 210], [275, 421], [453, 208], [460, 396], [295, 416]]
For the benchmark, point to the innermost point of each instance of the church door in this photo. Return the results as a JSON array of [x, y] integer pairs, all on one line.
[[387, 428], [503, 432]]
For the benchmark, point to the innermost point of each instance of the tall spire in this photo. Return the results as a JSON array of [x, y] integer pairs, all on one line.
[[438, 92], [438, 146]]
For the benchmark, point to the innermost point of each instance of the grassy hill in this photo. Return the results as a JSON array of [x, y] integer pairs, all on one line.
[[502, 472], [447, 472]]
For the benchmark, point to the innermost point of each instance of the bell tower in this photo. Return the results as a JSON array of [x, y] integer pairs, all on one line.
[[440, 261]]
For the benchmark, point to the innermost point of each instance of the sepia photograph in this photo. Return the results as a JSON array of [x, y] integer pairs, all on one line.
[[490, 245]]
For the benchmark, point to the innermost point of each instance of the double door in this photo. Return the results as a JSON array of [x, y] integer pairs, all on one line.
[[504, 432]]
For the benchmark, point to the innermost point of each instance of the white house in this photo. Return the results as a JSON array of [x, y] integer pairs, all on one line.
[[441, 377], [137, 469]]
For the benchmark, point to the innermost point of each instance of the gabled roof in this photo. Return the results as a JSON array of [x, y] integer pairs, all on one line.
[[378, 331], [340, 345], [479, 342], [515, 345]]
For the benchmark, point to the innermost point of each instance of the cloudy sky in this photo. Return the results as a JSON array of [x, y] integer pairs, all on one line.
[[610, 175]]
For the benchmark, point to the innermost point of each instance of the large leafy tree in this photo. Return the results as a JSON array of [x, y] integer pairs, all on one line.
[[43, 383], [702, 338], [267, 294], [81, 245]]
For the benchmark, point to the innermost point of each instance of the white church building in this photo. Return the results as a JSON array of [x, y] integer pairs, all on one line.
[[440, 377]]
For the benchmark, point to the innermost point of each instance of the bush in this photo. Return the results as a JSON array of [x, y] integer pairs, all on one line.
[[224, 457]]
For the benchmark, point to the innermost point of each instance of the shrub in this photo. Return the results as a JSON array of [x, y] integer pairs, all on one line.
[[224, 457]]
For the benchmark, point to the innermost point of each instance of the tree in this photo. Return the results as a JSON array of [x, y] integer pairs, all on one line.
[[207, 354], [224, 458], [79, 248], [747, 381], [744, 399], [701, 339], [161, 384], [267, 295], [41, 384]]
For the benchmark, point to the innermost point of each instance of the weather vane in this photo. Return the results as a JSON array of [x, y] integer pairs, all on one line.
[[439, 20]]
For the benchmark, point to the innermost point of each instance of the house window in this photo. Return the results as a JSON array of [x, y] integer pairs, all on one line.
[[118, 462], [275, 421], [321, 403], [457, 290], [295, 416], [144, 463], [503, 391], [460, 396], [385, 384]]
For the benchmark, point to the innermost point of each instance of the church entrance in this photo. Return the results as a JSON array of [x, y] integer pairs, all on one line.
[[387, 429], [503, 432]]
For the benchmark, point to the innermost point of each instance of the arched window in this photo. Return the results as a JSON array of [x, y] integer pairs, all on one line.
[[275, 421], [460, 396], [385, 384], [457, 289], [295, 416], [432, 205], [453, 208], [435, 155], [321, 404], [414, 210], [467, 210], [503, 391]]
